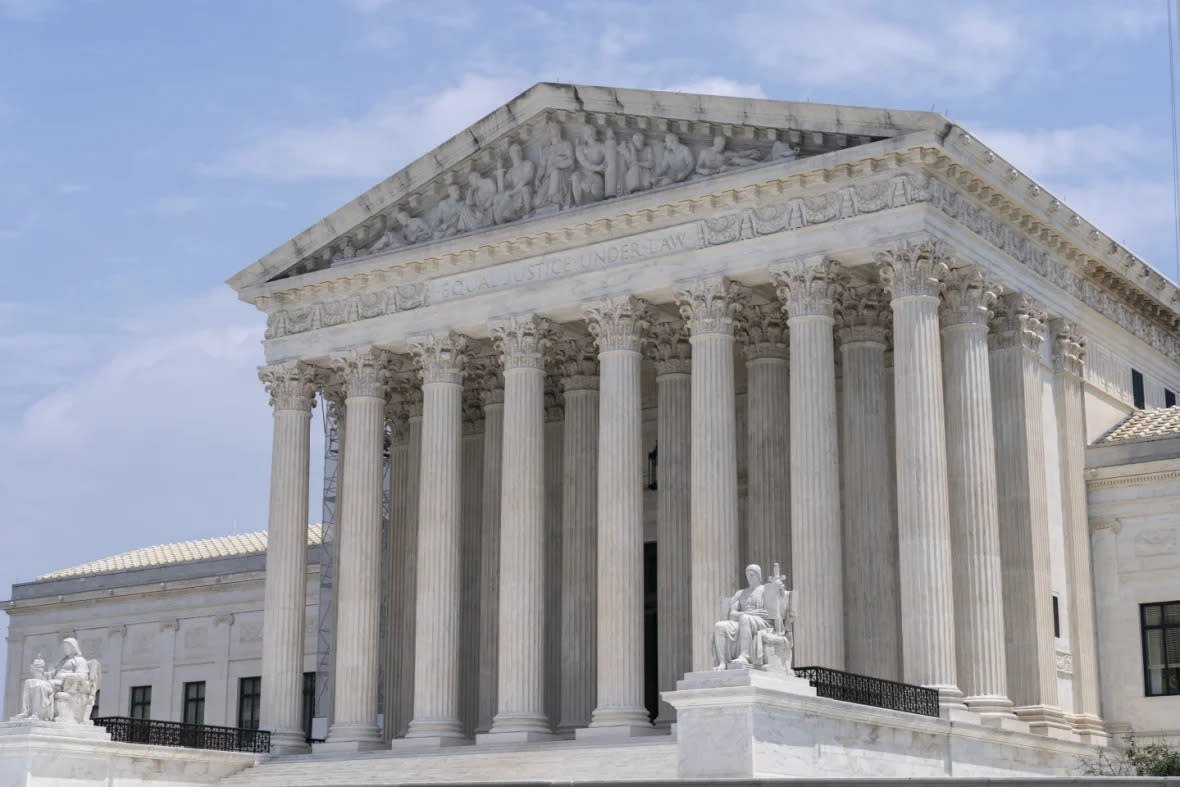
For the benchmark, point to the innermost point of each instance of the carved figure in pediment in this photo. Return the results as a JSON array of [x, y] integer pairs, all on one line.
[[390, 239], [347, 251], [588, 181], [448, 212], [414, 229], [716, 158], [481, 194], [515, 199], [639, 164], [676, 161], [784, 150], [556, 171], [612, 175]]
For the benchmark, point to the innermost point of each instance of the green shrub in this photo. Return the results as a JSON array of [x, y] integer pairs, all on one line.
[[1134, 759]]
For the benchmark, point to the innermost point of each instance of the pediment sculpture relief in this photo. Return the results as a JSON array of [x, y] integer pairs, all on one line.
[[64, 694], [561, 166], [758, 631]]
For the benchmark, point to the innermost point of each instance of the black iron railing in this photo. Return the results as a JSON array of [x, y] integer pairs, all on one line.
[[876, 692], [191, 736]]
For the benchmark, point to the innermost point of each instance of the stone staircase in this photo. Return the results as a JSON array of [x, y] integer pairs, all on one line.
[[646, 759]]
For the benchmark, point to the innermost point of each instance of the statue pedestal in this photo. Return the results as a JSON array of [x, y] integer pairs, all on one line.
[[49, 754], [752, 724]]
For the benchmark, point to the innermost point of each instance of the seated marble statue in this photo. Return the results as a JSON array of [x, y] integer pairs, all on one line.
[[758, 631], [64, 695]]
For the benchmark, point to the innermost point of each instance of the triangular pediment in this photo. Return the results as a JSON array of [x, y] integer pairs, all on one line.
[[560, 147]]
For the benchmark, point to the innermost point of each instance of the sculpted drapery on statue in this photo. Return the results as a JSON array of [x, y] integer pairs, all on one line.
[[65, 694], [759, 629]]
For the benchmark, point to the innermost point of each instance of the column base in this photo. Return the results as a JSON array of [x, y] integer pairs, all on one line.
[[618, 732], [1006, 723], [1047, 720], [990, 705], [517, 736], [289, 742], [350, 737], [949, 697], [426, 742], [1089, 729]]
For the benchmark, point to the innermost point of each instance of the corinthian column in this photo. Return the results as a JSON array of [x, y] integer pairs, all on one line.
[[809, 288], [971, 479], [578, 365], [618, 324], [768, 435], [1069, 351], [872, 612], [436, 651], [405, 538], [1015, 343], [912, 274], [672, 354], [520, 695], [708, 306], [292, 395], [492, 394], [358, 573]]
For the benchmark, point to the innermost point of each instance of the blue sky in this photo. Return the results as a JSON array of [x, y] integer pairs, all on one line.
[[149, 150]]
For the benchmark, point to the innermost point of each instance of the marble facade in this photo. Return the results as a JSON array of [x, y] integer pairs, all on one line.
[[901, 318]]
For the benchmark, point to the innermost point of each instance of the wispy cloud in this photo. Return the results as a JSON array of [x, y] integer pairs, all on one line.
[[719, 86], [176, 205]]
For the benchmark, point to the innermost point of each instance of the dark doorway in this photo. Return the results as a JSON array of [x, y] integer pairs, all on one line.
[[651, 656]]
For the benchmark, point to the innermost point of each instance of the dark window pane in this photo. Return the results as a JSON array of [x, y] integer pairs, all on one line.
[[194, 702], [249, 694], [1169, 398], [1137, 388], [141, 702], [1161, 648], [1152, 615]]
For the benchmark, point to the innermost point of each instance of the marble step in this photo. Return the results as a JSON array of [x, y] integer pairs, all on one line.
[[563, 761]]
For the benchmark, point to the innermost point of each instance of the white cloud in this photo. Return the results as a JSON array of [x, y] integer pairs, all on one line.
[[372, 146], [719, 86], [1072, 153]]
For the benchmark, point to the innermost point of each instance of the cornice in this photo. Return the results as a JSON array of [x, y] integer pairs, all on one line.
[[1115, 482], [787, 202]]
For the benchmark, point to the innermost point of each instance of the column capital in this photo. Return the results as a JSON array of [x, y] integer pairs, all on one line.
[[618, 323], [554, 401], [709, 305], [408, 393], [864, 315], [522, 341], [968, 297], [914, 268], [667, 346], [1017, 322], [576, 363], [472, 409], [441, 357], [763, 331], [488, 377], [365, 372], [1069, 347], [809, 286], [291, 385]]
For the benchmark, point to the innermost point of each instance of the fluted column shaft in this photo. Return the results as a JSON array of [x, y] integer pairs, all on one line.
[[671, 352], [872, 623], [471, 533], [1069, 350], [808, 289], [406, 500], [489, 565], [436, 651], [1018, 425], [912, 275], [579, 544], [708, 306], [398, 642], [521, 688], [292, 391], [768, 436], [618, 325], [971, 477], [358, 576]]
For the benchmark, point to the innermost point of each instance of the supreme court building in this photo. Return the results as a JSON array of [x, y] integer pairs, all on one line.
[[595, 354]]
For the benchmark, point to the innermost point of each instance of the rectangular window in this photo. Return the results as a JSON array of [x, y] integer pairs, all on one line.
[[249, 693], [1169, 398], [308, 702], [1161, 648], [194, 702], [1056, 618], [1137, 389], [141, 702]]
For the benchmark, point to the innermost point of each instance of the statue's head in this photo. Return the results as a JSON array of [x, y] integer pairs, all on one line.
[[718, 143], [70, 646], [609, 134], [754, 574], [639, 139], [38, 665], [453, 190], [671, 141], [403, 218], [515, 153], [473, 178], [590, 134]]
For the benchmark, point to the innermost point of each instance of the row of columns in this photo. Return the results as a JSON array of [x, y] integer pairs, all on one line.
[[940, 556]]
